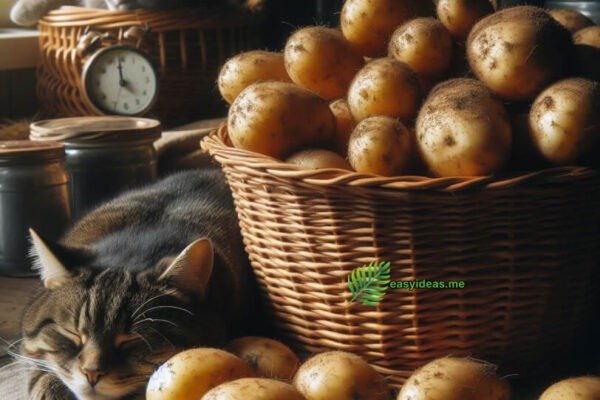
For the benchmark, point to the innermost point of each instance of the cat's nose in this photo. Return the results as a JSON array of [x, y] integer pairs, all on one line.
[[92, 376]]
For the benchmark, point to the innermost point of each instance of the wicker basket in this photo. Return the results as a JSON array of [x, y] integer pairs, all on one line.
[[527, 248], [187, 46]]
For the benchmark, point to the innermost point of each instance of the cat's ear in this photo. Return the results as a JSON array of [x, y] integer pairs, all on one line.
[[54, 261], [193, 267]]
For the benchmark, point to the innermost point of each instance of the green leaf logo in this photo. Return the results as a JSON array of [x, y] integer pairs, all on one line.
[[369, 283]]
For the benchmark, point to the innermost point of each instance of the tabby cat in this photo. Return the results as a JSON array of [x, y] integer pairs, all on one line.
[[28, 12], [150, 273]]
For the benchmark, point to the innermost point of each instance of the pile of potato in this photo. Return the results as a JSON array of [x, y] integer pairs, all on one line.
[[397, 91]]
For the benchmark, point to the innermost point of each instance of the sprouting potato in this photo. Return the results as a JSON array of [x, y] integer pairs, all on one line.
[[369, 24], [564, 120], [424, 45], [381, 146], [321, 60], [250, 67], [385, 87], [268, 358], [455, 379], [340, 376], [192, 373], [459, 16], [463, 130], [519, 51]]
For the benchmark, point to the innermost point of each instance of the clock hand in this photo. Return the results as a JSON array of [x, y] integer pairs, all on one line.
[[122, 81]]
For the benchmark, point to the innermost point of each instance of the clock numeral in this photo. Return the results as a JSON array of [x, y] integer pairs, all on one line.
[[145, 92], [143, 68], [138, 102], [126, 106], [147, 79], [122, 59]]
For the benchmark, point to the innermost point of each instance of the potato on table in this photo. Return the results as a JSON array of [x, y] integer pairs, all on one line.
[[369, 24], [385, 87], [459, 16], [581, 388], [254, 389], [320, 59], [345, 125], [244, 69], [455, 379], [192, 373], [338, 375], [571, 19], [381, 146], [564, 120], [278, 118], [519, 51], [463, 130], [424, 45], [268, 358]]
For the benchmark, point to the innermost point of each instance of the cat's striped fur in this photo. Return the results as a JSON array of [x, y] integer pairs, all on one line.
[[118, 300]]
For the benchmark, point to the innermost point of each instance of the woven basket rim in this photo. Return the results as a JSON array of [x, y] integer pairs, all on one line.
[[218, 146]]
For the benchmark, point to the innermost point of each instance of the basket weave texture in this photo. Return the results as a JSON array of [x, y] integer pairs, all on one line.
[[187, 47], [527, 248]]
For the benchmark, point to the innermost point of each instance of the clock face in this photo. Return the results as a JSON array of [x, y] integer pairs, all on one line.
[[120, 80]]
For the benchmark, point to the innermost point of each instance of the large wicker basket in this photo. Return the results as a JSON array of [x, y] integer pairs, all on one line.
[[187, 47], [527, 248]]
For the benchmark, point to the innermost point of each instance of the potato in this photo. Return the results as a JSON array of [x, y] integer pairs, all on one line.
[[268, 358], [589, 36], [455, 379], [340, 376], [463, 130], [519, 51], [381, 146], [192, 373], [321, 60], [369, 24], [242, 70], [254, 389], [345, 125], [564, 120], [570, 19], [385, 87], [581, 388], [424, 45], [459, 16], [318, 159], [278, 118]]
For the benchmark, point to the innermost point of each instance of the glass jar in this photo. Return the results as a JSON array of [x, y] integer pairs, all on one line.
[[104, 155], [34, 193]]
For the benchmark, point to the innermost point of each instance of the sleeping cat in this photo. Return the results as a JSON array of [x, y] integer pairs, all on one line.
[[142, 277], [29, 12]]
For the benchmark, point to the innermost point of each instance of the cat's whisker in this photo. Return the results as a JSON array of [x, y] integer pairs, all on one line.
[[166, 321], [161, 335], [144, 339], [173, 307], [135, 313]]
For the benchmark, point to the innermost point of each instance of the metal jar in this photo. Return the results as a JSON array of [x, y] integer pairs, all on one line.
[[34, 193], [105, 155]]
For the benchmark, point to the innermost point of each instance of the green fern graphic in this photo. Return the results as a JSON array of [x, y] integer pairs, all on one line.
[[369, 283]]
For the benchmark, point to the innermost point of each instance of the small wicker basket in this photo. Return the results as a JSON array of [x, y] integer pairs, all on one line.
[[527, 248], [187, 47]]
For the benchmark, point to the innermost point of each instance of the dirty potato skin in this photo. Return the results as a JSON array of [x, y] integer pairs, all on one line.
[[564, 120], [318, 159], [321, 60], [340, 376], [381, 146], [244, 69], [385, 87], [192, 373], [570, 19], [424, 45], [459, 16], [254, 389], [580, 388], [369, 24], [588, 36], [345, 125], [463, 130], [455, 379], [278, 118], [519, 51], [268, 358]]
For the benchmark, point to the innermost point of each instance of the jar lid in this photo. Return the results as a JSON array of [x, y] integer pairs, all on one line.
[[96, 131], [27, 151]]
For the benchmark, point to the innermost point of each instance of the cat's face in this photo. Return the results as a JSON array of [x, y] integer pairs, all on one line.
[[103, 332]]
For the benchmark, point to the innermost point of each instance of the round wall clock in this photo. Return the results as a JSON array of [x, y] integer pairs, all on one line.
[[120, 80]]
